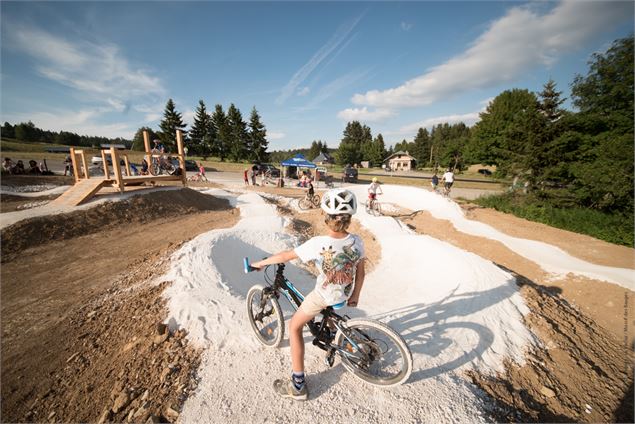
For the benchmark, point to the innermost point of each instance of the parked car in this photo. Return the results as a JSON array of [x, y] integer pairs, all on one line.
[[485, 172], [267, 167], [349, 175], [190, 165]]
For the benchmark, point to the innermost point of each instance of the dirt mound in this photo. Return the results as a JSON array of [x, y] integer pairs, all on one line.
[[136, 210], [118, 363], [580, 374]]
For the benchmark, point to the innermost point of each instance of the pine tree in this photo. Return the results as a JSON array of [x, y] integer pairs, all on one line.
[[138, 142], [315, 150], [355, 136], [258, 143], [237, 146], [172, 120], [223, 133], [550, 101], [421, 148], [201, 134]]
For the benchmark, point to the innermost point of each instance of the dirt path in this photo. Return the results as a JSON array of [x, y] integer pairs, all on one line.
[[79, 314], [79, 308]]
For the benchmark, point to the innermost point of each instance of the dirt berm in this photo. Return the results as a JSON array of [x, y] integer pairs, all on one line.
[[82, 339]]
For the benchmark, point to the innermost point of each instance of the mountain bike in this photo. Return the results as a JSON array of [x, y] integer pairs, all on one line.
[[373, 207], [446, 190], [369, 349], [308, 201], [160, 164]]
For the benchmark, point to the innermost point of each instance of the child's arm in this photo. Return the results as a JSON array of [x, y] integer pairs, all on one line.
[[278, 258], [360, 274]]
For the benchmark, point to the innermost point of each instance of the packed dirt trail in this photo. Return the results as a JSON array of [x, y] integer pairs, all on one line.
[[77, 290], [496, 333]]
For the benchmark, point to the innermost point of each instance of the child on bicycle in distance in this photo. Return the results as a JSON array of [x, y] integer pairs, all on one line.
[[310, 189], [339, 257], [372, 190]]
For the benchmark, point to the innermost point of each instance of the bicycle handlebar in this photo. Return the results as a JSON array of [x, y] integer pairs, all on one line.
[[248, 268]]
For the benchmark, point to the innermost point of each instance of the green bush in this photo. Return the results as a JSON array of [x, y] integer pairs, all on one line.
[[614, 228]]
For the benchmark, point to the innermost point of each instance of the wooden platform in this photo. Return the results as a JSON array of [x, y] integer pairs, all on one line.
[[86, 188], [82, 190]]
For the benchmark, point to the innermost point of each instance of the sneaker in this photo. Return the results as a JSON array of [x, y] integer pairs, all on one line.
[[286, 389]]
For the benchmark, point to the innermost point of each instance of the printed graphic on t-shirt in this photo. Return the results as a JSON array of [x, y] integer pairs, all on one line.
[[339, 268]]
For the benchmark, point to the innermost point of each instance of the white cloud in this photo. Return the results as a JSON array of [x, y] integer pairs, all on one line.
[[188, 117], [364, 115], [406, 26], [275, 135], [333, 46], [98, 70], [334, 87], [303, 91], [520, 40]]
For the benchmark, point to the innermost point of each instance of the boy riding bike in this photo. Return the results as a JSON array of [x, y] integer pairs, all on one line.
[[372, 191], [339, 257]]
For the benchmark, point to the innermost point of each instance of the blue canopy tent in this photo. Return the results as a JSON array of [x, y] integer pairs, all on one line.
[[298, 161]]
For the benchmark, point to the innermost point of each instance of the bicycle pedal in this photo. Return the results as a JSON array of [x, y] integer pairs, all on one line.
[[329, 359]]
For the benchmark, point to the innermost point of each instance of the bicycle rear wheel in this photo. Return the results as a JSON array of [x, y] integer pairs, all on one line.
[[265, 316], [382, 357], [316, 200], [304, 204]]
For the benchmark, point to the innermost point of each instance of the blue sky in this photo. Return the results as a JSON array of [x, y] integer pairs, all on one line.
[[108, 68]]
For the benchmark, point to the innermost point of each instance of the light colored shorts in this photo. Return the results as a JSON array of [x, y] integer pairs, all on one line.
[[313, 304]]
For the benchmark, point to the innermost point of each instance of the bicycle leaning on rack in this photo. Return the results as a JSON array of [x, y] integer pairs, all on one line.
[[369, 349]]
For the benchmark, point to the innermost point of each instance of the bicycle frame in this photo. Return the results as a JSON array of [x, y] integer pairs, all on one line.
[[295, 298]]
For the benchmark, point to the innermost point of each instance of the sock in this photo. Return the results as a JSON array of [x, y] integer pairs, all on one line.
[[298, 379]]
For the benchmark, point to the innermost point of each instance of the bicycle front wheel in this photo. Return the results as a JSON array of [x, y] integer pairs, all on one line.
[[265, 316], [374, 352], [154, 168], [304, 204], [316, 200]]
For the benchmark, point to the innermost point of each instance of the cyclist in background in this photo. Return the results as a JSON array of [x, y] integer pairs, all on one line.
[[448, 179], [339, 257], [373, 188], [434, 182]]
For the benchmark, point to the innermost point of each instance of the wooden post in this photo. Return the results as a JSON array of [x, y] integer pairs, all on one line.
[[146, 146], [179, 145], [105, 164], [116, 169], [74, 162], [125, 158], [83, 155]]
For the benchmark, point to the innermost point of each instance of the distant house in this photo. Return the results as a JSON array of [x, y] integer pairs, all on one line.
[[400, 161], [323, 159]]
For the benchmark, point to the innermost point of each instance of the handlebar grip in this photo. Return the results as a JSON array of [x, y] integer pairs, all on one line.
[[248, 268]]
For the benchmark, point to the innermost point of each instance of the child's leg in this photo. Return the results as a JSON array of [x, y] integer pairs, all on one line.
[[298, 321]]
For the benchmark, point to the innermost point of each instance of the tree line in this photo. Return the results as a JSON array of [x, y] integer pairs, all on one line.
[[27, 131], [582, 158], [221, 134]]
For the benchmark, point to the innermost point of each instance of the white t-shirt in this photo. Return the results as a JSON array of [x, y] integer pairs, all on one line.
[[373, 188], [448, 177], [336, 260]]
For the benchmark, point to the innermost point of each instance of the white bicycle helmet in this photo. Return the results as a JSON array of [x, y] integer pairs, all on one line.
[[339, 201]]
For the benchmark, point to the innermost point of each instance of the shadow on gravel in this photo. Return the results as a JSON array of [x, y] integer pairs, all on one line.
[[427, 332]]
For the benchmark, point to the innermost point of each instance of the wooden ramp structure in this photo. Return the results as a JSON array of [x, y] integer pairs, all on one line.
[[85, 187], [81, 191]]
